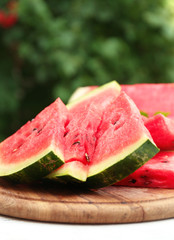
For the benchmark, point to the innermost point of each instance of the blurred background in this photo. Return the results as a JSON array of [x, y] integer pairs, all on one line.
[[49, 48]]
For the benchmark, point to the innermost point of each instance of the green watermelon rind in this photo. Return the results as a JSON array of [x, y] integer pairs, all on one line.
[[123, 167], [38, 167]]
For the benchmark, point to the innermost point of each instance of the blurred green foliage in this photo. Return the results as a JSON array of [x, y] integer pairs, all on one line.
[[56, 46]]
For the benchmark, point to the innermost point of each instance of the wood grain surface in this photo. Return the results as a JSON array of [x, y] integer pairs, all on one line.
[[58, 203]]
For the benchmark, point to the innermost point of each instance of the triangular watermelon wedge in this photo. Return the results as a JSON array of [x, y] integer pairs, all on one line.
[[37, 148], [152, 97], [158, 172], [161, 129]]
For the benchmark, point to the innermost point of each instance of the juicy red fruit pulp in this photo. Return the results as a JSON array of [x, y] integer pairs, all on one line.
[[84, 121], [36, 135]]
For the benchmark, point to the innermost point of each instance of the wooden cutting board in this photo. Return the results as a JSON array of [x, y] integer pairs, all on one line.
[[56, 203]]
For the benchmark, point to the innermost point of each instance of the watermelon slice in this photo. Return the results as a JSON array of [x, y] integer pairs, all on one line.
[[123, 144], [38, 147], [86, 116], [161, 129], [109, 141], [152, 98], [156, 173]]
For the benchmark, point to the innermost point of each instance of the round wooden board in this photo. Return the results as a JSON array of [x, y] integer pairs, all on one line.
[[56, 203]]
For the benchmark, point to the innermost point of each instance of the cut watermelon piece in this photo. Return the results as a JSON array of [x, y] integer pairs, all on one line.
[[152, 98], [161, 129], [37, 148], [156, 173], [111, 144], [86, 115], [123, 143]]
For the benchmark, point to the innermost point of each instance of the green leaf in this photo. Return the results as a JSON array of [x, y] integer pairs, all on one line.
[[166, 114], [144, 114]]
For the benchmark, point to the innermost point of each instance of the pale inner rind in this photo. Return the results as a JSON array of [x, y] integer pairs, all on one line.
[[74, 169]]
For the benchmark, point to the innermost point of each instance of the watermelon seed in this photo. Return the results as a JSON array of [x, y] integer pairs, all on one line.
[[165, 161], [65, 134], [39, 130], [14, 150], [132, 181], [76, 143], [87, 157]]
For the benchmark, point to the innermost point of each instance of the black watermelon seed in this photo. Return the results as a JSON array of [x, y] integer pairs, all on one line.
[[39, 130], [34, 129], [76, 143], [65, 134], [133, 180]]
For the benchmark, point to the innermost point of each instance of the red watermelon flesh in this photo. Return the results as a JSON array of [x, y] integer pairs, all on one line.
[[156, 173], [85, 118], [37, 137], [152, 98], [161, 129], [80, 134]]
